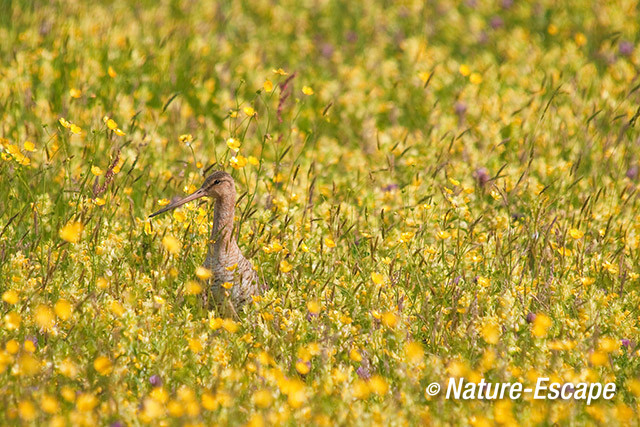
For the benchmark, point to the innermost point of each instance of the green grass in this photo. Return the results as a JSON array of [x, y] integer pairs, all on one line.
[[430, 191]]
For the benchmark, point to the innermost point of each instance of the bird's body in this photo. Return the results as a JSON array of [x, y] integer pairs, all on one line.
[[234, 279]]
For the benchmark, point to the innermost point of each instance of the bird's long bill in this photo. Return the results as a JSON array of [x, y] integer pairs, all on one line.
[[190, 197]]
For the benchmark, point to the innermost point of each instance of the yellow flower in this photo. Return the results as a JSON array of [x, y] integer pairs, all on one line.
[[443, 235], [195, 345], [44, 317], [233, 144], [75, 129], [249, 111], [68, 393], [285, 266], [152, 409], [86, 402], [179, 216], [75, 93], [475, 78], [172, 244], [64, 122], [232, 267], [541, 325], [68, 368], [580, 39], [12, 346], [29, 346], [377, 278], [102, 283], [103, 365], [608, 344], [29, 146], [253, 161], [164, 202], [229, 325], [119, 132], [491, 332], [99, 201], [10, 297], [378, 385], [63, 309], [116, 308], [227, 285], [389, 319], [193, 288], [484, 282], [112, 73], [552, 29], [355, 355], [599, 358], [71, 232], [203, 273], [464, 70], [96, 170], [238, 162], [587, 281], [268, 86], [414, 352], [49, 404], [111, 124], [281, 72], [307, 90], [424, 76], [406, 237], [12, 320], [27, 410], [576, 234], [28, 365], [314, 307], [633, 385], [186, 138], [360, 389], [302, 367], [262, 398], [328, 242]]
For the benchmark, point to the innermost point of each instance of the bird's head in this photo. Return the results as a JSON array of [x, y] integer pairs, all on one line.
[[218, 185]]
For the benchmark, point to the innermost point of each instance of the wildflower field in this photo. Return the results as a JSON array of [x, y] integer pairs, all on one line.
[[432, 190]]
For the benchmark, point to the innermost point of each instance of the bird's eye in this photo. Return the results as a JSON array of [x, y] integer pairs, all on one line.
[[216, 182]]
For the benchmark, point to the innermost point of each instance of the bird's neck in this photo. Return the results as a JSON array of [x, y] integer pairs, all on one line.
[[221, 233]]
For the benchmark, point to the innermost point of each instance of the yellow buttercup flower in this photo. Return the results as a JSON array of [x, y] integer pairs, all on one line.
[[103, 365]]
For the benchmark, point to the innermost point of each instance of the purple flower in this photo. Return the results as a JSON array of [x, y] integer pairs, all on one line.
[[363, 373], [632, 172], [531, 317], [155, 380], [327, 50], [482, 176], [625, 48], [625, 342], [496, 22], [390, 188], [506, 4], [460, 108], [117, 424]]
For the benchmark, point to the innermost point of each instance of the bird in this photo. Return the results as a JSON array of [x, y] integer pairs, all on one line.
[[224, 258]]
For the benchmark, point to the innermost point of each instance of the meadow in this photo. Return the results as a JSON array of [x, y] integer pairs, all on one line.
[[431, 189]]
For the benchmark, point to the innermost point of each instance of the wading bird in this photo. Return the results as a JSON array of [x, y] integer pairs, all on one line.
[[234, 278]]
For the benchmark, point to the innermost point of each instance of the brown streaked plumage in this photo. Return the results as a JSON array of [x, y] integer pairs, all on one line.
[[223, 251]]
